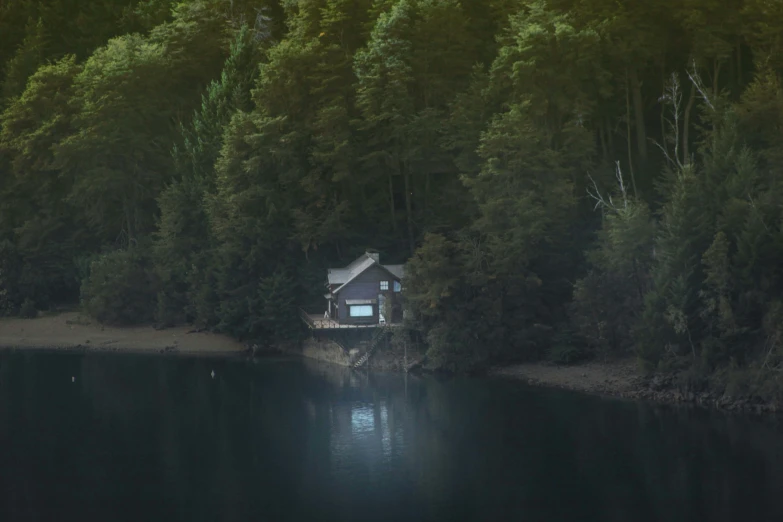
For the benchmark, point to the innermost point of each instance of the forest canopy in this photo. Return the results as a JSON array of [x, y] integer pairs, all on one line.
[[565, 178]]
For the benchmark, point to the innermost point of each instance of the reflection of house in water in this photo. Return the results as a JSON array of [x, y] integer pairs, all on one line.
[[371, 429], [382, 442], [364, 437]]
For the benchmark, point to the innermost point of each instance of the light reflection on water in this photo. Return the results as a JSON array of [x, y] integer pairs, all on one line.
[[362, 420]]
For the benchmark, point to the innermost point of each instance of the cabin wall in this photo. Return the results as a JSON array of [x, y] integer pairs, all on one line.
[[366, 286]]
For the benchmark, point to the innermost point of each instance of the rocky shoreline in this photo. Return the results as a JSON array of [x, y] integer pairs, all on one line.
[[621, 379], [663, 389]]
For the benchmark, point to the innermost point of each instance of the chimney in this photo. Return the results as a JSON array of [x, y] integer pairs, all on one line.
[[374, 255]]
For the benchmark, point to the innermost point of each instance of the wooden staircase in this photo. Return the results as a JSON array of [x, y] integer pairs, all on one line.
[[375, 342]]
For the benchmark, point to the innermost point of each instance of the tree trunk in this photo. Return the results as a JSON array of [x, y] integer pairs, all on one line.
[[391, 203], [686, 125], [663, 133], [715, 77], [602, 139], [663, 117], [409, 210], [628, 135], [129, 207], [609, 138], [733, 84], [638, 109], [128, 221], [427, 191], [638, 281]]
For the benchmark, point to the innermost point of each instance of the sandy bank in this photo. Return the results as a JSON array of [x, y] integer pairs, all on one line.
[[71, 331]]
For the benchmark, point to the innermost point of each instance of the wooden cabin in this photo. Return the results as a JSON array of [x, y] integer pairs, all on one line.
[[364, 293]]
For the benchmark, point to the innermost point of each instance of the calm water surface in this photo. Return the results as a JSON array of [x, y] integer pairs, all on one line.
[[145, 439]]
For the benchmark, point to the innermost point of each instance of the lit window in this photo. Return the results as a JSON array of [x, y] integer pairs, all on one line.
[[360, 311], [397, 286], [384, 285]]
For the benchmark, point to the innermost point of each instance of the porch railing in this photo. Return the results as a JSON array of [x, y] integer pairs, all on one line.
[[314, 322], [306, 318]]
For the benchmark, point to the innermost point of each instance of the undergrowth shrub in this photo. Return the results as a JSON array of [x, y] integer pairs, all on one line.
[[120, 288]]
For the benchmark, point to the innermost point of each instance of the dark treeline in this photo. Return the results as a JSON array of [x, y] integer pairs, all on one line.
[[570, 178]]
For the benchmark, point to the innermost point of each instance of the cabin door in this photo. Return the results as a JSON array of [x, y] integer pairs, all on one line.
[[382, 309]]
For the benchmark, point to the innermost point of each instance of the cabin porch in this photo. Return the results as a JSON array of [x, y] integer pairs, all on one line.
[[320, 322]]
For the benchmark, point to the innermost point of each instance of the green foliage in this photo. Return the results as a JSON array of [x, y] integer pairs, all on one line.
[[274, 311], [147, 14], [457, 313], [266, 313], [21, 279], [10, 271], [31, 127], [182, 231], [608, 302], [564, 354], [706, 299], [717, 291], [120, 288], [225, 154], [115, 152], [28, 309], [763, 383], [203, 137], [26, 60], [182, 249], [34, 33], [35, 204]]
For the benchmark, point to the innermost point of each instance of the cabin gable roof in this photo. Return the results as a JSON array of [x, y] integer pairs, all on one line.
[[344, 276]]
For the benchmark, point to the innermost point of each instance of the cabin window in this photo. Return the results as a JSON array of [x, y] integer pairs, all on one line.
[[397, 286], [360, 311], [384, 285]]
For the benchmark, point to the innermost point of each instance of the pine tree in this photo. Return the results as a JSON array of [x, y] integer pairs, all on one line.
[[202, 138], [35, 206], [184, 244], [608, 302], [384, 97], [117, 157], [28, 57]]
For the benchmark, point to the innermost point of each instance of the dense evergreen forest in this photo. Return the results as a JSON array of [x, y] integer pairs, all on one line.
[[569, 178]]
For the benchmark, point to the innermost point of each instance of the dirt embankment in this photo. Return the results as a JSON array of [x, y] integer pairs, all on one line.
[[70, 331], [622, 379]]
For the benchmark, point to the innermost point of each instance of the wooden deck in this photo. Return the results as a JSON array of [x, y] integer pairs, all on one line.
[[318, 322]]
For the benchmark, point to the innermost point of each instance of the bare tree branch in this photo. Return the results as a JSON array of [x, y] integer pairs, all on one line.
[[758, 213], [696, 79], [672, 95], [599, 198], [619, 175], [600, 201]]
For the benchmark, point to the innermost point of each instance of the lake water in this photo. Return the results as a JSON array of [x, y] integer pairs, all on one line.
[[149, 438]]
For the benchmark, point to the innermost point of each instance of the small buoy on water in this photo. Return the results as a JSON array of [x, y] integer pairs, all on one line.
[[213, 374], [73, 379]]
